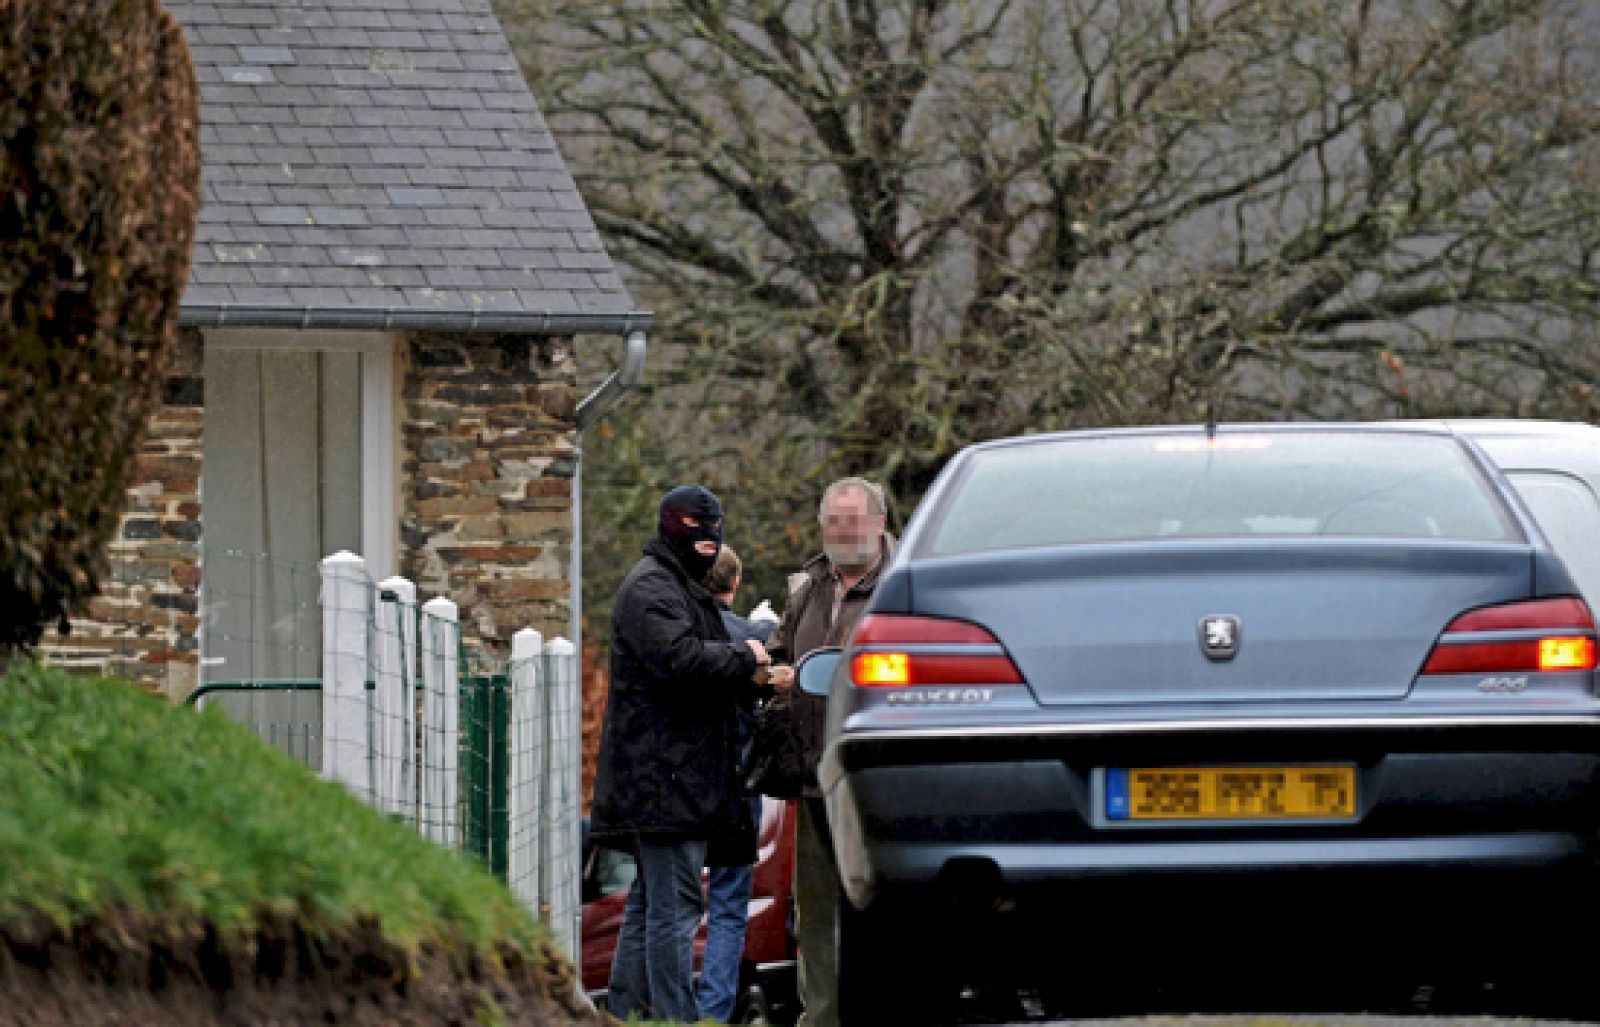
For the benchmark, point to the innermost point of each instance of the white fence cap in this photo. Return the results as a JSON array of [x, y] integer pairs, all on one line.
[[442, 609], [342, 562], [559, 647], [402, 587], [525, 644]]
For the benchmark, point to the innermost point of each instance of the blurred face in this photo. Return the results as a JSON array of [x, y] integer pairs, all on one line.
[[850, 529]]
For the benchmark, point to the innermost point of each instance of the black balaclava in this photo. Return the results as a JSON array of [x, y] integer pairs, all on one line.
[[694, 501]]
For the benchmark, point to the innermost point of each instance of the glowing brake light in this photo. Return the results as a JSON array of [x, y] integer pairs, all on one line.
[[895, 651], [1566, 654], [882, 669], [1554, 641]]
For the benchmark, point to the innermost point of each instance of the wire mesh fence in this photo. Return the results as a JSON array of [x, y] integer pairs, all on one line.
[[544, 752], [259, 618], [520, 746], [175, 615], [258, 634], [479, 752], [352, 677], [286, 714]]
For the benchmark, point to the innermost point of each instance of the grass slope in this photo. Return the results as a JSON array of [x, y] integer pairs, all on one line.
[[112, 801]]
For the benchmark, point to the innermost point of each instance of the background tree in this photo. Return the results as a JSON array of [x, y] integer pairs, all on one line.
[[877, 230], [99, 190]]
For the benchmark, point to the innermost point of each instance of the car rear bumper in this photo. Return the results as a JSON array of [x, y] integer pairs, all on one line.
[[1028, 810]]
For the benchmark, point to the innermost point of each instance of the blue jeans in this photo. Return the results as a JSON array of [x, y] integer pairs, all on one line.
[[652, 970], [729, 892]]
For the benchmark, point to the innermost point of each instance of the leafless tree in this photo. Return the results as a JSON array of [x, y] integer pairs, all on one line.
[[877, 230]]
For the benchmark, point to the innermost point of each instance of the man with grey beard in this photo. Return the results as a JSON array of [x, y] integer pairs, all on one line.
[[826, 599]]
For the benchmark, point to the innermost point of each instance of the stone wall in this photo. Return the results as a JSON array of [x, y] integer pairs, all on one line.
[[144, 624], [486, 482], [486, 506]]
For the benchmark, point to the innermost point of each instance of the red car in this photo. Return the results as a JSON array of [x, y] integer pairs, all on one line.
[[767, 983]]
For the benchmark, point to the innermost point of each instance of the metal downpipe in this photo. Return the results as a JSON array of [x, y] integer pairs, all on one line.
[[593, 407]]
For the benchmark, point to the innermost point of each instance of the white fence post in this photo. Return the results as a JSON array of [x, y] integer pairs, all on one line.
[[346, 745], [394, 698], [524, 866], [440, 768], [371, 734], [564, 733]]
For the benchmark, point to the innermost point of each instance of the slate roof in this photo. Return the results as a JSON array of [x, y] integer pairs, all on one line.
[[382, 163]]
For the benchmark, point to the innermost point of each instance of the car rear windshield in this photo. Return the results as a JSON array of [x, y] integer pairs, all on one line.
[[1153, 486]]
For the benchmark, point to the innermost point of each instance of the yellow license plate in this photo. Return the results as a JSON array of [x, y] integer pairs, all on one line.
[[1237, 793]]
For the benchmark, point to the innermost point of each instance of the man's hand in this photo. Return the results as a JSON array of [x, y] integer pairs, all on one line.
[[782, 677], [763, 672]]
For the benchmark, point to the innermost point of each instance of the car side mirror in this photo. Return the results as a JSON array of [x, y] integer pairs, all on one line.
[[815, 673]]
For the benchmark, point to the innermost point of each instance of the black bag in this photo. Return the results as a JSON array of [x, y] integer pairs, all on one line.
[[778, 762]]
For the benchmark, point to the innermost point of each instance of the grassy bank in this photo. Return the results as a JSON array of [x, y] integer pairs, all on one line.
[[114, 801]]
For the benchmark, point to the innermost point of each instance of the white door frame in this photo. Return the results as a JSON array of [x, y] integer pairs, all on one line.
[[380, 428]]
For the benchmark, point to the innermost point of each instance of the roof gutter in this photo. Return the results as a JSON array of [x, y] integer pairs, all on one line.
[[546, 322]]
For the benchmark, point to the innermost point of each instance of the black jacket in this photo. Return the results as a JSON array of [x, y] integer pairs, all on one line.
[[669, 750]]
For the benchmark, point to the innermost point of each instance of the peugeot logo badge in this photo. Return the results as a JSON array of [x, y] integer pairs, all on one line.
[[1219, 636]]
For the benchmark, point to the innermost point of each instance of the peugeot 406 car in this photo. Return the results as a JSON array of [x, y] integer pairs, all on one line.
[[1272, 703]]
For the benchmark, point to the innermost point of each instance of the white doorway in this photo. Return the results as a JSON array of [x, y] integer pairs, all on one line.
[[299, 462]]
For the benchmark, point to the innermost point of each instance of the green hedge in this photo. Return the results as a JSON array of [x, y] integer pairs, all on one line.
[[99, 191]]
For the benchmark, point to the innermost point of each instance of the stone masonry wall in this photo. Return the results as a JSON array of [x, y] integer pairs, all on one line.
[[486, 507], [144, 624]]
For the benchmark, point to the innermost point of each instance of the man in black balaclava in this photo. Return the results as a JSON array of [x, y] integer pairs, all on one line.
[[690, 522], [667, 779]]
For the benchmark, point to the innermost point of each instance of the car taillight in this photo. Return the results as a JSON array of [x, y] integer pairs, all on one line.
[[1545, 635], [896, 650]]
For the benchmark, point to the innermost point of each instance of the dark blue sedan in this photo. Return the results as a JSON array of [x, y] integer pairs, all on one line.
[[1278, 703]]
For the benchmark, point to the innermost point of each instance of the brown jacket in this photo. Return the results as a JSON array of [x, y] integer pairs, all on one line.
[[808, 623]]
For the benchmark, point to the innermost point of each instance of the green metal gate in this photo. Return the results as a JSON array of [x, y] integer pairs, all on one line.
[[285, 713], [485, 768]]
